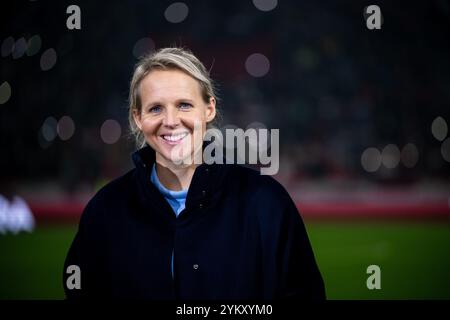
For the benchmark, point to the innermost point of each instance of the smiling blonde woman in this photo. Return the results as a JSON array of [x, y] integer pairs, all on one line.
[[175, 229]]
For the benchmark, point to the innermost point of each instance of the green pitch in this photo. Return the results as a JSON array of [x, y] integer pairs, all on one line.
[[414, 258]]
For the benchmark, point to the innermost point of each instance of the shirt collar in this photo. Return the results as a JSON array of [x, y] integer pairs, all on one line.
[[166, 192], [207, 181]]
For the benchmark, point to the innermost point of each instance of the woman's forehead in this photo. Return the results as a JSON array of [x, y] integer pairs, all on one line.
[[169, 83]]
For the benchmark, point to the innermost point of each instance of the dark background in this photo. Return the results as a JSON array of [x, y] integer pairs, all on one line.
[[334, 87]]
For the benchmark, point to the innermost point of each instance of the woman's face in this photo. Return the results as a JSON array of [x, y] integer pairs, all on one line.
[[173, 116]]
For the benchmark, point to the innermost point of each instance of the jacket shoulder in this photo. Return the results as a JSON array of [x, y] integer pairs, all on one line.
[[115, 189], [108, 197], [263, 195], [264, 186]]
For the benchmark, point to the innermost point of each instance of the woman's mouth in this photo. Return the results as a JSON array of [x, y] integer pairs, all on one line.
[[174, 139]]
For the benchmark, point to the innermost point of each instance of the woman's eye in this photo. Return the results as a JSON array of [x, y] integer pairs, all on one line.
[[155, 109], [185, 106]]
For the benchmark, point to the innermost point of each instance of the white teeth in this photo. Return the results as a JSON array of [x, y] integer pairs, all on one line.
[[175, 137]]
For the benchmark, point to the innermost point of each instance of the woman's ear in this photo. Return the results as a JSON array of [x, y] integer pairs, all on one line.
[[137, 118], [211, 109]]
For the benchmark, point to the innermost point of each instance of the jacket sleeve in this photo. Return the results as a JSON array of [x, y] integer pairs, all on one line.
[[86, 254], [300, 275], [290, 268]]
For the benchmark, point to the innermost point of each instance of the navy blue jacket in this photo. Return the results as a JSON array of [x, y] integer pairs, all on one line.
[[239, 237]]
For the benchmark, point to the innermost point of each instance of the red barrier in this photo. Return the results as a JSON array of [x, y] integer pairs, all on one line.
[[71, 211]]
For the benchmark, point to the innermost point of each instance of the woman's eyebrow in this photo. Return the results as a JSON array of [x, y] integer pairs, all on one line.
[[152, 103], [177, 101], [185, 100]]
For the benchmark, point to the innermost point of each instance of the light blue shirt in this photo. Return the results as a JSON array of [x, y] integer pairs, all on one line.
[[176, 199]]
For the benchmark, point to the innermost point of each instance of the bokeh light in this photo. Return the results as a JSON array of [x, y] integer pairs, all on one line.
[[176, 12], [265, 5], [65, 128], [390, 156], [48, 59], [371, 159], [143, 46], [5, 92], [257, 65], [7, 46], [20, 47], [110, 131], [49, 129], [34, 45], [445, 150], [409, 155], [439, 128]]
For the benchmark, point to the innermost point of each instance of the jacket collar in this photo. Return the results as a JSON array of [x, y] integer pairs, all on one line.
[[206, 185]]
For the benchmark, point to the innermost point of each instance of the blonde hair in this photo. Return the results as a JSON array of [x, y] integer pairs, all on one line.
[[166, 59]]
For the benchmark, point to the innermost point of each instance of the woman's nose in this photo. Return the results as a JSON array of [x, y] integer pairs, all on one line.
[[171, 117]]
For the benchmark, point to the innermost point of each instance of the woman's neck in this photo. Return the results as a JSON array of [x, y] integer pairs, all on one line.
[[174, 177]]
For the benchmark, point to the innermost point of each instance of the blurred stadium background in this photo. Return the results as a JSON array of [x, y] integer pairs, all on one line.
[[363, 118]]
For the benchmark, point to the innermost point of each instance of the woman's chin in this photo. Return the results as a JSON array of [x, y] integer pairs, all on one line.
[[176, 158]]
